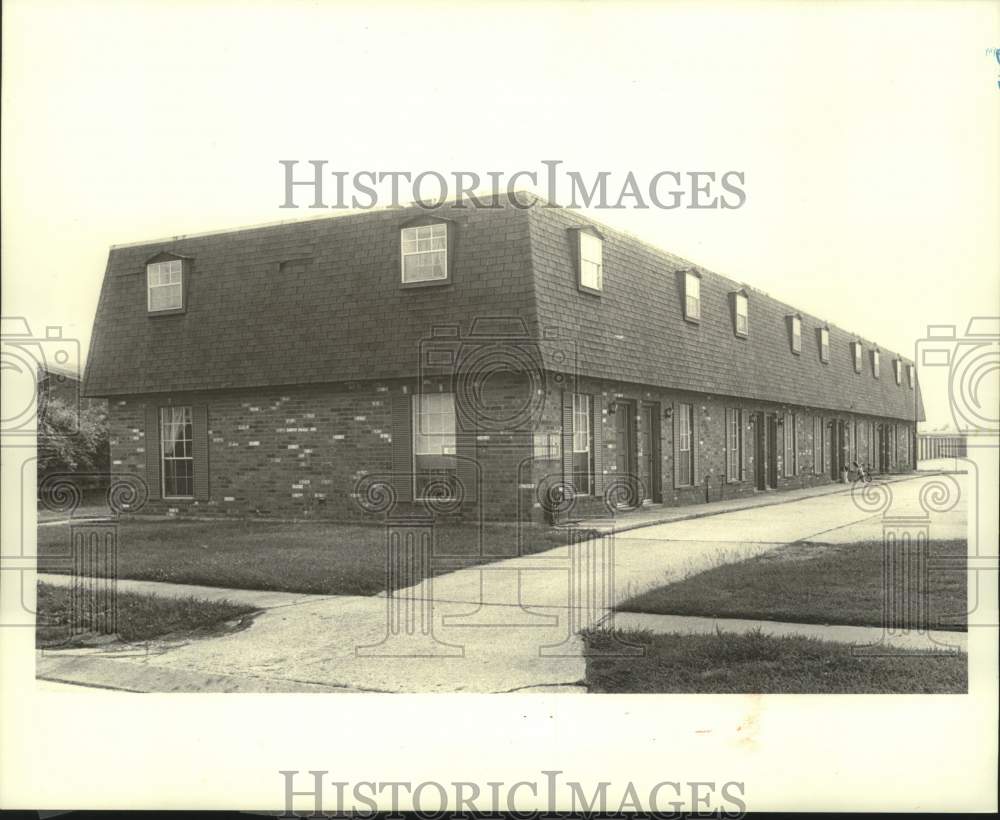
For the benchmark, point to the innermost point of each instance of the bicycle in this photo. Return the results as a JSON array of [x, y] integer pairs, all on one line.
[[862, 472]]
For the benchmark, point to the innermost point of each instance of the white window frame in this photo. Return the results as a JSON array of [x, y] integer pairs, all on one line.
[[439, 441], [166, 422], [911, 375], [425, 243], [583, 435], [876, 366], [744, 302], [162, 275], [591, 261], [824, 345], [898, 367], [796, 334], [858, 357], [692, 296]]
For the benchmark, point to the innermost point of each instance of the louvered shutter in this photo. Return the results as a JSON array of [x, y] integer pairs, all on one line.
[[153, 479], [467, 454], [695, 428], [402, 446], [199, 449], [597, 423], [567, 436], [677, 443], [730, 413], [744, 430]]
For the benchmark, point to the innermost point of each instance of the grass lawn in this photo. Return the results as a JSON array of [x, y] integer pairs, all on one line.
[[755, 663], [809, 583], [140, 617], [313, 557]]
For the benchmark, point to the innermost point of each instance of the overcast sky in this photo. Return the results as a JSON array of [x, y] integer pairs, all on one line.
[[868, 136]]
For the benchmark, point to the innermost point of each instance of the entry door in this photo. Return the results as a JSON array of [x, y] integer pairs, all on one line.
[[760, 451], [649, 452], [772, 452], [625, 441]]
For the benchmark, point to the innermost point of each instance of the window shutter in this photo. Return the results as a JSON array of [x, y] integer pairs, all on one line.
[[465, 468], [402, 446], [199, 449], [153, 480], [597, 423], [729, 454], [567, 436], [744, 425], [695, 427], [676, 444]]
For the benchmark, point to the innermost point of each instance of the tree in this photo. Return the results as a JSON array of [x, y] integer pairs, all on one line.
[[66, 447]]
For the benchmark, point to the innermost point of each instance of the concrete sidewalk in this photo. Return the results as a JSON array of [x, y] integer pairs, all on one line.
[[261, 599], [511, 626]]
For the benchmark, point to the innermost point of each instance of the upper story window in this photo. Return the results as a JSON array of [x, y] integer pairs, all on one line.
[[591, 261], [165, 286], [741, 306], [425, 253], [692, 296], [824, 344], [875, 369], [795, 324], [898, 367], [911, 375], [856, 347]]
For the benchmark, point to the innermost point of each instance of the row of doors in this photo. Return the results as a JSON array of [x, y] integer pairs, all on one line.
[[637, 451]]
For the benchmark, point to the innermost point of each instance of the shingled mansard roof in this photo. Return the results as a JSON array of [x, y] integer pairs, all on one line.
[[343, 316]]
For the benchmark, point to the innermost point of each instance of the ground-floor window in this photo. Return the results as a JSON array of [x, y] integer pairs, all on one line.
[[734, 444], [791, 456], [685, 444], [177, 455], [434, 444], [583, 450]]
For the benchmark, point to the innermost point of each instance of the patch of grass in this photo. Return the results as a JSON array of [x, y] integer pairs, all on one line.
[[810, 583], [761, 664], [139, 617], [311, 557]]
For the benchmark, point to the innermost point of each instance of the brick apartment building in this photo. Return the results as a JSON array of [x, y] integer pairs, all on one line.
[[497, 361]]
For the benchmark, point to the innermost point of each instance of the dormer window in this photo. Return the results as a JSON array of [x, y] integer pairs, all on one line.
[[741, 314], [898, 367], [824, 344], [692, 296], [911, 375], [856, 346], [165, 286], [591, 261], [795, 327], [875, 368], [425, 253]]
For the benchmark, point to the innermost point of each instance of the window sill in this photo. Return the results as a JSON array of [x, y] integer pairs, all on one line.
[[692, 320], [176, 498], [169, 312], [426, 283], [587, 289]]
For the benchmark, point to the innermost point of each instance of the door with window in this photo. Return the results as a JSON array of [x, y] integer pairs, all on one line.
[[626, 445], [760, 451]]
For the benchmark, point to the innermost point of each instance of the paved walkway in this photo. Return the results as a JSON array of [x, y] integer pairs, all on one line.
[[510, 626], [261, 599], [660, 514]]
